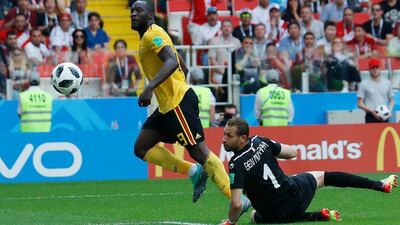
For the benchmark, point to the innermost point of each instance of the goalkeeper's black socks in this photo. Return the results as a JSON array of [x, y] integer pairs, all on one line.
[[341, 179]]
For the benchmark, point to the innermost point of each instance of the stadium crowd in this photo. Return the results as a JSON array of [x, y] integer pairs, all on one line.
[[327, 39]]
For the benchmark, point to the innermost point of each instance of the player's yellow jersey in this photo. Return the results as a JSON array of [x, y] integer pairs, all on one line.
[[170, 92]]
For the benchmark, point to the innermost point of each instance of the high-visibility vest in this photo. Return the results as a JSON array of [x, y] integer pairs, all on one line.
[[204, 96], [274, 106], [36, 106]]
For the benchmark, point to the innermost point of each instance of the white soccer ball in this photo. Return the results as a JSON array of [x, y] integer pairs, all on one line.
[[383, 111], [66, 78]]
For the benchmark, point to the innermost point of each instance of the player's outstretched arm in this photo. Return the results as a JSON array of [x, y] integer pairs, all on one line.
[[235, 207], [287, 152]]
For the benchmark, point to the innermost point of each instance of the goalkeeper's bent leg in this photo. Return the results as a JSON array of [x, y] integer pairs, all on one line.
[[216, 170]]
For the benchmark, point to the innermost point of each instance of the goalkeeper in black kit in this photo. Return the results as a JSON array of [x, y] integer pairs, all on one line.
[[276, 197]]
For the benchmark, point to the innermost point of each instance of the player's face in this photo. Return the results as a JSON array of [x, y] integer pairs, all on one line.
[[139, 16], [232, 141]]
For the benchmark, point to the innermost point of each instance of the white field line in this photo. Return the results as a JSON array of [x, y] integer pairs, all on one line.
[[158, 222], [90, 196]]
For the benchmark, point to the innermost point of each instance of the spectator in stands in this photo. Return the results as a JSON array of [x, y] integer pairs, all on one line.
[[36, 52], [362, 45], [275, 61], [277, 27], [309, 24], [246, 62], [341, 72], [219, 57], [201, 35], [292, 11], [293, 43], [260, 41], [21, 28], [5, 6], [393, 48], [3, 78], [329, 34], [124, 71], [373, 92], [81, 15], [79, 50], [11, 43], [245, 29], [314, 5], [37, 5], [49, 17], [333, 11], [260, 14], [309, 60], [205, 96], [23, 7], [391, 11], [230, 111], [345, 28], [273, 105], [379, 29], [19, 71], [61, 37], [97, 38]]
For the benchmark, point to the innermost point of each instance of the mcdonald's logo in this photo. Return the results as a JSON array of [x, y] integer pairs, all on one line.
[[381, 147]]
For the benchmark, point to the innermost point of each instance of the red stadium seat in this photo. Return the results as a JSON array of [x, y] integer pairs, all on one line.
[[44, 70], [1, 23], [361, 18], [381, 50], [185, 32], [395, 63], [241, 4], [184, 5], [363, 64]]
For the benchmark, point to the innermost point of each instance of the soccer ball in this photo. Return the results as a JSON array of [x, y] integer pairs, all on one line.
[[66, 78], [383, 111]]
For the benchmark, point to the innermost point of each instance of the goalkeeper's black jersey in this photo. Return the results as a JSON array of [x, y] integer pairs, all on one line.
[[256, 170]]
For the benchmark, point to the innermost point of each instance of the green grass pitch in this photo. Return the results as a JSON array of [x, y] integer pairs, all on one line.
[[153, 202]]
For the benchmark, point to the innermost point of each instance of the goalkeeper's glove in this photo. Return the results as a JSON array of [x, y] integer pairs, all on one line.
[[227, 222]]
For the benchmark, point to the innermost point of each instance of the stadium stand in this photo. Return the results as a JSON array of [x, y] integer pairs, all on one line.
[[186, 40], [238, 5], [116, 20], [361, 18]]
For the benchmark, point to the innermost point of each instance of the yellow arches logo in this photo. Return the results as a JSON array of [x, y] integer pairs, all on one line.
[[381, 147]]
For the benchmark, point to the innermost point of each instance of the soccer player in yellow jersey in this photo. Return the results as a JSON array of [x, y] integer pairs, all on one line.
[[177, 117]]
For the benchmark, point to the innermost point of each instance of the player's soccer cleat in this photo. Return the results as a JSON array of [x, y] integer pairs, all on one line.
[[199, 180], [389, 183], [246, 204], [331, 215]]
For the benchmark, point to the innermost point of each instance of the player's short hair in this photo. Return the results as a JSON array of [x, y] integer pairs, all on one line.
[[242, 127], [149, 6]]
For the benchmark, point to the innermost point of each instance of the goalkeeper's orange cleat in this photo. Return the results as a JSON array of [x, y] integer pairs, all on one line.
[[389, 183], [332, 215]]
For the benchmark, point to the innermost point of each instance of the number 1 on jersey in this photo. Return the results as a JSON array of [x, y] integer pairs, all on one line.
[[268, 173]]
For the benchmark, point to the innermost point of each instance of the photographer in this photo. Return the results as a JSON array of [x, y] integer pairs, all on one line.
[[230, 111]]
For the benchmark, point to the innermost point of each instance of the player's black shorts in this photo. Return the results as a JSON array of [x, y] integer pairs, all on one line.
[[297, 203], [181, 124]]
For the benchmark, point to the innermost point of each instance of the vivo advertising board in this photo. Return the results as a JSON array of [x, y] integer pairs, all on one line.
[[69, 156]]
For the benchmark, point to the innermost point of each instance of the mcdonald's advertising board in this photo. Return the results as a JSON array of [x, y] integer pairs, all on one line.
[[361, 148]]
